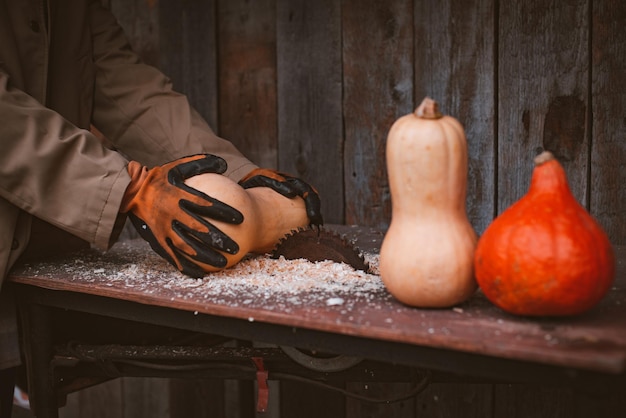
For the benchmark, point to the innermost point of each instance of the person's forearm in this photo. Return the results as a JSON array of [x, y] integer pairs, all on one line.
[[56, 171], [138, 110]]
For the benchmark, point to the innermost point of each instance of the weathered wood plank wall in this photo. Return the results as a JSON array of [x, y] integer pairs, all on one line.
[[608, 122], [454, 63], [543, 94], [310, 117], [313, 87]]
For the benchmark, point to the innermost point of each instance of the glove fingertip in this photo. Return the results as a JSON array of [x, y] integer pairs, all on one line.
[[146, 233], [218, 164]]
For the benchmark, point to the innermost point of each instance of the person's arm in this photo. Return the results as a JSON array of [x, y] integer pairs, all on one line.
[[56, 171], [137, 109]]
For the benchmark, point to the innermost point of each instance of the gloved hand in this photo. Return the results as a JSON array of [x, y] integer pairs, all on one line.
[[287, 186], [170, 215]]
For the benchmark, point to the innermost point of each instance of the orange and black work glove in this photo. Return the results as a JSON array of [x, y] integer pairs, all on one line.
[[171, 216], [289, 187]]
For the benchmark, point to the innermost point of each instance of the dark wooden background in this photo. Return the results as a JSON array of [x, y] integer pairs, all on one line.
[[312, 88]]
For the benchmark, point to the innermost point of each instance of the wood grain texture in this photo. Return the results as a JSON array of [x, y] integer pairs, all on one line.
[[600, 403], [310, 138], [594, 341], [526, 401], [69, 410], [188, 52], [247, 78], [608, 147], [239, 399], [307, 401], [146, 397], [102, 401], [378, 89], [454, 65], [543, 92], [310, 128], [451, 400], [196, 398]]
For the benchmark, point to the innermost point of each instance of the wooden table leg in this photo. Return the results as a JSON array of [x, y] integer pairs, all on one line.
[[37, 347]]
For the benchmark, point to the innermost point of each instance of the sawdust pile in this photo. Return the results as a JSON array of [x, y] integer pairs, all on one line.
[[254, 276], [255, 281]]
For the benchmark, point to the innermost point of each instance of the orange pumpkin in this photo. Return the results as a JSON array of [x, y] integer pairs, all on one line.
[[545, 255]]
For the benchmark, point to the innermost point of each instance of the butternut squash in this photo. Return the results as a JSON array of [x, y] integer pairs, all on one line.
[[426, 258], [268, 215]]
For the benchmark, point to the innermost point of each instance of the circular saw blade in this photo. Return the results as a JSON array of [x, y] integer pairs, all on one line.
[[319, 244]]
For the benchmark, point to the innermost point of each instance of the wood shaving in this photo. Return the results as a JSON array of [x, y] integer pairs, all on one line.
[[256, 281]]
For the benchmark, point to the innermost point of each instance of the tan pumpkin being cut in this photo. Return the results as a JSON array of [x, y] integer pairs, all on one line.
[[267, 215]]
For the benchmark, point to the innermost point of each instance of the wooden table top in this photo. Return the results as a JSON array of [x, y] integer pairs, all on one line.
[[333, 298]]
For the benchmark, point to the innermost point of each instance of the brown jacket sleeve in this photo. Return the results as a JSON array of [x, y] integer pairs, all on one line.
[[52, 169], [139, 112], [56, 171]]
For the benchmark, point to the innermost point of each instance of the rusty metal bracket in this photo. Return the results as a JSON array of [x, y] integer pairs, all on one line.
[[263, 391]]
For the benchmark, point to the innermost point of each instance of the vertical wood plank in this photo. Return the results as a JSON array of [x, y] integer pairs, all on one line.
[[102, 401], [608, 150], [71, 408], [145, 397], [188, 52], [310, 129], [455, 65], [451, 400], [378, 88], [236, 403], [543, 92], [603, 401], [247, 78], [307, 401], [532, 401], [196, 398]]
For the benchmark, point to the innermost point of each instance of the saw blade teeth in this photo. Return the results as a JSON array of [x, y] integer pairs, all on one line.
[[317, 244], [287, 236]]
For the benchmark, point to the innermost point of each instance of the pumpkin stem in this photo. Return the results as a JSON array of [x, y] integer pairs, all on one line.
[[428, 109], [544, 157]]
